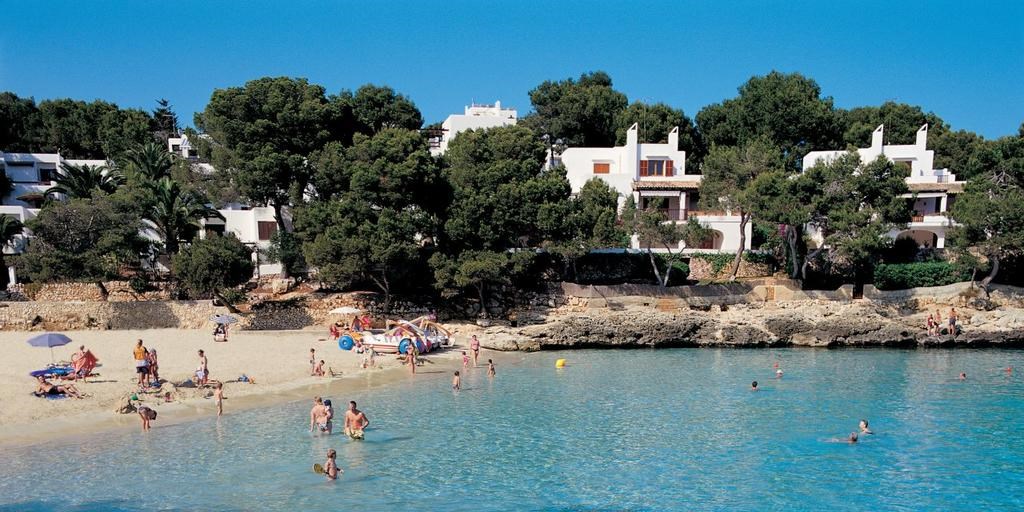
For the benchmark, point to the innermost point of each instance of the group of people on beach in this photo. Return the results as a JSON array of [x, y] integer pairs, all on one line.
[[934, 323], [147, 365]]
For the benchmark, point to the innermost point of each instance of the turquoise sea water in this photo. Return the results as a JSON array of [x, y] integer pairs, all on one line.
[[637, 430]]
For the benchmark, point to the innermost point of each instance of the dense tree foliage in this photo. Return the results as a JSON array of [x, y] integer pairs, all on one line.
[[84, 239], [211, 265], [787, 110], [655, 122], [176, 213], [991, 211], [83, 181], [579, 112], [730, 182]]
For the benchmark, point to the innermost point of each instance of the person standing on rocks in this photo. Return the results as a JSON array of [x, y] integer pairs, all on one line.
[[952, 321]]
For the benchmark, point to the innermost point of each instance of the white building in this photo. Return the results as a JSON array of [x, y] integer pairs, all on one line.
[[182, 147], [475, 117], [32, 174], [932, 190], [654, 174]]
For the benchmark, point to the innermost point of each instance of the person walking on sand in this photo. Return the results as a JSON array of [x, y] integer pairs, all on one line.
[[312, 360], [331, 469], [355, 422], [218, 395], [474, 345], [141, 365], [490, 368], [456, 381]]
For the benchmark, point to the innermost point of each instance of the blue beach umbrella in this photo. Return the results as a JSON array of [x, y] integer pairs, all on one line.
[[50, 339], [223, 319]]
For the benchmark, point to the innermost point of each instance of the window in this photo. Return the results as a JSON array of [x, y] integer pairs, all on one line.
[[176, 148], [47, 175], [601, 168], [656, 167], [266, 229], [214, 230]]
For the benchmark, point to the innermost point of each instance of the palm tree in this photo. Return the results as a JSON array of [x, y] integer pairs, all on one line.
[[10, 227], [176, 213], [81, 181], [149, 161]]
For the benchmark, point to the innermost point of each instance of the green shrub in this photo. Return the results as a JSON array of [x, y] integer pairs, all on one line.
[[901, 276], [233, 295]]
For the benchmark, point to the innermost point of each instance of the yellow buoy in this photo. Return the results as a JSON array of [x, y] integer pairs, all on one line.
[[560, 363]]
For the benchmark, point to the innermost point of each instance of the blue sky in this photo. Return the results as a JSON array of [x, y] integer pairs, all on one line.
[[962, 60]]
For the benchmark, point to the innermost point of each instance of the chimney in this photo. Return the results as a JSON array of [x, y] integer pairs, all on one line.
[[922, 137], [673, 139], [876, 138], [631, 136]]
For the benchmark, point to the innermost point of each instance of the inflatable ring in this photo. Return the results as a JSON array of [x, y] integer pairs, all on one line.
[[346, 342], [403, 346]]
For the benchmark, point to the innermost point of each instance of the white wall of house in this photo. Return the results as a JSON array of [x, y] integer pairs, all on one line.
[[934, 187], [646, 172], [475, 117], [32, 174]]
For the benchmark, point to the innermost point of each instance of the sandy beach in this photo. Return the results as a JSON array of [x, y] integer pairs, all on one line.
[[278, 362]]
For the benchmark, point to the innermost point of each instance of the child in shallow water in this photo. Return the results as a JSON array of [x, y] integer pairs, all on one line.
[[456, 382], [465, 359], [331, 469]]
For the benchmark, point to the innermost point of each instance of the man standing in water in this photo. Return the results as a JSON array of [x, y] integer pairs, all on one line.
[[355, 421]]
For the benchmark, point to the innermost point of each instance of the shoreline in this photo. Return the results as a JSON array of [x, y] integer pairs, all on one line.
[[282, 376]]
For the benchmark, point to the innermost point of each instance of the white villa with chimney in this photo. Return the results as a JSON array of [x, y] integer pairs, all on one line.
[[654, 173], [476, 116], [933, 190]]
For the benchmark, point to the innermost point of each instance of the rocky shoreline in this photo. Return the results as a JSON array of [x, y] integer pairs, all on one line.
[[750, 325]]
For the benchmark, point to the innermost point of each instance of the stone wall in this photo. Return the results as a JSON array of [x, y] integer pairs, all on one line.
[[117, 291], [62, 316], [702, 269]]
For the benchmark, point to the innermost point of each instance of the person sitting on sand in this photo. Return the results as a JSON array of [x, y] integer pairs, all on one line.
[[147, 416], [48, 388], [753, 386], [355, 421], [335, 331], [456, 381], [864, 427], [331, 468], [318, 369]]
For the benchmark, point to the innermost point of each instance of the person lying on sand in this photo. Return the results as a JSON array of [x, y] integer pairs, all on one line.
[[48, 388]]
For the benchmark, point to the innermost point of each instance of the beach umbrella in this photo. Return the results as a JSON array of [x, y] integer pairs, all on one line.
[[223, 319], [50, 339], [345, 310]]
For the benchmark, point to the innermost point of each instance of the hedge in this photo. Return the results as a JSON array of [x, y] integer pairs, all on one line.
[[900, 276]]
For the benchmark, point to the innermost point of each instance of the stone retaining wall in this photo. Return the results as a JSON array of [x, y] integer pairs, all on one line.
[[64, 316], [704, 270]]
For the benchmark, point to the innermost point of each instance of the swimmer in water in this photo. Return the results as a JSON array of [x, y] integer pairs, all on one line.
[[864, 427], [853, 438], [753, 386], [778, 373], [963, 376]]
